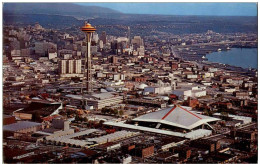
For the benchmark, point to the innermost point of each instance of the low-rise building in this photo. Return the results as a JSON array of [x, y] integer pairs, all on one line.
[[21, 128]]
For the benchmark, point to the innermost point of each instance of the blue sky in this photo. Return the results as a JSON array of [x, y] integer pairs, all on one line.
[[217, 9]]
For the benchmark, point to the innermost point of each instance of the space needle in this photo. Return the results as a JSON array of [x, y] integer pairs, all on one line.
[[88, 30]]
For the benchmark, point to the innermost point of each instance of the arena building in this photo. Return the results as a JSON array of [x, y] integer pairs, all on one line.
[[175, 121], [178, 117]]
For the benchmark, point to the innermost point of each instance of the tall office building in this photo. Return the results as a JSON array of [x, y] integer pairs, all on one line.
[[95, 37], [104, 37], [42, 48], [70, 68], [138, 41], [101, 45], [128, 35]]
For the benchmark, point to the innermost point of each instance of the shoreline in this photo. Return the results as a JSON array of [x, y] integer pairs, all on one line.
[[230, 65]]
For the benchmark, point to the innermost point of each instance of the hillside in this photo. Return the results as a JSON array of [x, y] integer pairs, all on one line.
[[56, 9]]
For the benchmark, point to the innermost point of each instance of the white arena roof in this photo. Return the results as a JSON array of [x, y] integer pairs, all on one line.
[[178, 116], [195, 134]]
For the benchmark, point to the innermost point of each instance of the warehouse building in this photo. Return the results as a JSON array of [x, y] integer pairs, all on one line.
[[41, 108], [21, 128], [97, 101]]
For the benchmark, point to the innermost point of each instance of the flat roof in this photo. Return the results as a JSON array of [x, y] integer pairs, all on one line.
[[85, 132], [69, 141], [20, 125], [102, 96], [113, 136]]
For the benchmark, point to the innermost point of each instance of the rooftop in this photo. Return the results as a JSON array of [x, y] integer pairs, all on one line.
[[43, 108], [20, 125], [178, 116], [191, 135]]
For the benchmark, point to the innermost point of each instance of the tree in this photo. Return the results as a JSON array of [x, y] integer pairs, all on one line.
[[101, 122], [77, 118], [211, 113], [36, 116], [170, 101], [103, 110], [85, 119], [121, 112], [69, 112], [220, 97], [62, 112], [115, 112], [206, 112]]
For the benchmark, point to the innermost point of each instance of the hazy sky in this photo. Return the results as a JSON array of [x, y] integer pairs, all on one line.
[[218, 9]]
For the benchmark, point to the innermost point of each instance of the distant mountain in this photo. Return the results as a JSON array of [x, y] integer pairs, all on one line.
[[68, 15], [56, 9]]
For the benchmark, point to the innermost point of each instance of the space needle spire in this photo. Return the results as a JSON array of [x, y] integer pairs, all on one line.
[[88, 30]]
